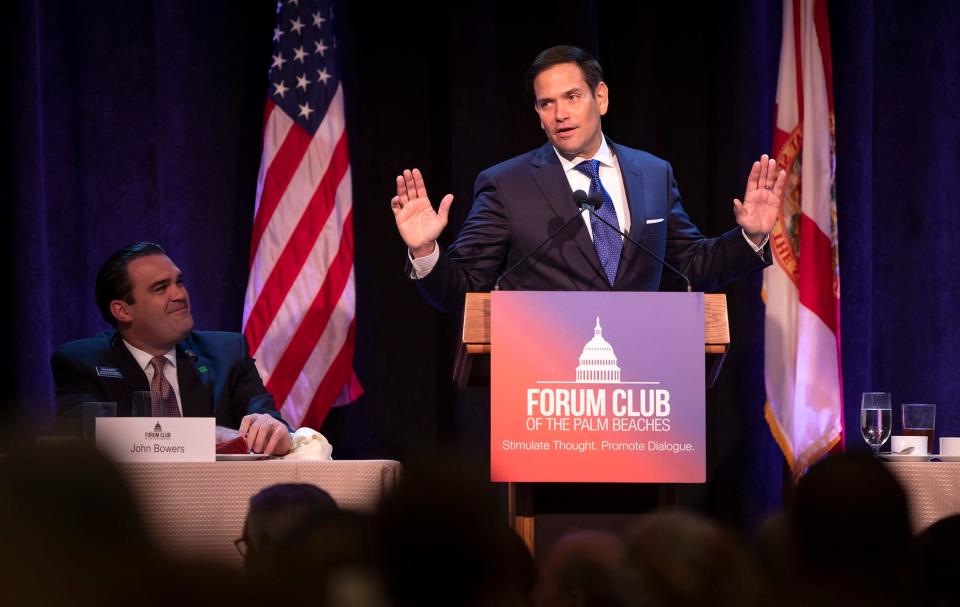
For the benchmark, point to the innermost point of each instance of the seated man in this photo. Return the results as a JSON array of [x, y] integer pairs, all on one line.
[[197, 373]]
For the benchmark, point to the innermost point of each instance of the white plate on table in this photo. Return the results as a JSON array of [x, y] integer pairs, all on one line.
[[241, 457], [946, 458], [902, 457]]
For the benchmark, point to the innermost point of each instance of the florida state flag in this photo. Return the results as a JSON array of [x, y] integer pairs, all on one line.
[[802, 288]]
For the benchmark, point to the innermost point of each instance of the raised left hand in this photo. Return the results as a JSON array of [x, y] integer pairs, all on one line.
[[265, 434], [760, 208]]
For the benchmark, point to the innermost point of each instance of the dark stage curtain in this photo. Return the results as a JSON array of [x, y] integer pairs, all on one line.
[[141, 121], [897, 86]]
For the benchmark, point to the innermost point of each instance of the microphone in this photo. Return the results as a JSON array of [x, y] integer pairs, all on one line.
[[576, 195], [592, 203], [583, 200]]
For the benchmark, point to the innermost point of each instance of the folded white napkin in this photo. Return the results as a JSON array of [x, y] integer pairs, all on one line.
[[309, 444]]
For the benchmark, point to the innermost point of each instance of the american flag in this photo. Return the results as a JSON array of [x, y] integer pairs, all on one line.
[[298, 313]]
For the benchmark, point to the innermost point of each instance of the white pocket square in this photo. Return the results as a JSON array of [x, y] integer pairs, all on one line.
[[658, 220]]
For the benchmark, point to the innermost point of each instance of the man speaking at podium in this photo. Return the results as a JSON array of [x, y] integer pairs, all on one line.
[[520, 207]]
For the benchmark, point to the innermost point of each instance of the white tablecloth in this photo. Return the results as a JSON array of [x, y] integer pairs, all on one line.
[[933, 490], [196, 510]]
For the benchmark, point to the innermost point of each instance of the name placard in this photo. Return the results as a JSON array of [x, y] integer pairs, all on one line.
[[157, 439]]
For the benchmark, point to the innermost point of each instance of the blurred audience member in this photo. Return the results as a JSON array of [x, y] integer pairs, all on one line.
[[274, 512], [443, 543], [936, 563], [850, 530], [677, 559], [72, 535], [296, 537], [204, 583], [775, 559], [331, 558], [70, 530], [579, 571]]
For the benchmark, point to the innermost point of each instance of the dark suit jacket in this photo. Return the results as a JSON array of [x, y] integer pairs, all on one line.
[[518, 203], [215, 373]]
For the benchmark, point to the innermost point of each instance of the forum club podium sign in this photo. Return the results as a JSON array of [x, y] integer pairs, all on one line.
[[597, 387]]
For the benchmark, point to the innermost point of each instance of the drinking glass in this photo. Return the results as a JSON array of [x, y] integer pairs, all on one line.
[[919, 420], [876, 419], [90, 411], [141, 404]]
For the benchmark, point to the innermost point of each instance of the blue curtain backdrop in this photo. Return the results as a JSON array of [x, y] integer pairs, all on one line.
[[897, 87], [141, 121]]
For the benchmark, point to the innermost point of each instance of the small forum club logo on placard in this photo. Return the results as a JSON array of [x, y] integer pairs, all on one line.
[[157, 434], [598, 390]]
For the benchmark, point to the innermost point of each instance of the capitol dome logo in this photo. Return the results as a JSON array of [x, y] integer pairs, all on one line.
[[598, 361], [158, 433]]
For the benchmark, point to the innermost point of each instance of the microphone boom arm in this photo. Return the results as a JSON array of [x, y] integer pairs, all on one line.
[[496, 285], [588, 204]]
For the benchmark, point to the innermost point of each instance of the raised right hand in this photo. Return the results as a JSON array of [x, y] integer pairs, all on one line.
[[419, 225]]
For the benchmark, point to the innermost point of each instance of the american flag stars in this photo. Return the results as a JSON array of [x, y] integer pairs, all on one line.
[[303, 44], [305, 110]]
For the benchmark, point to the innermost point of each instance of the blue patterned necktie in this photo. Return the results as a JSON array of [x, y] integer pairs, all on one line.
[[608, 242]]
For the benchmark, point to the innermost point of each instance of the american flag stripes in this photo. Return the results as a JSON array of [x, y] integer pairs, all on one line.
[[298, 313]]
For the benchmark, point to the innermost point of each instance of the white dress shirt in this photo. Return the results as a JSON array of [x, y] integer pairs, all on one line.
[[611, 178], [169, 370]]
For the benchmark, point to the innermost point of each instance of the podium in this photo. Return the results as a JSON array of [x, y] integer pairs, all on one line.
[[472, 368], [472, 365]]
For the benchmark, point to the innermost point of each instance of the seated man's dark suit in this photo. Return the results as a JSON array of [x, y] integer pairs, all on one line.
[[215, 373], [518, 203]]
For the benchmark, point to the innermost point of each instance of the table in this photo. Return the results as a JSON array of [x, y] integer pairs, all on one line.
[[933, 490], [196, 509]]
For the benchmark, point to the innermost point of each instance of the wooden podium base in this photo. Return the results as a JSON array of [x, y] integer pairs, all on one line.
[[521, 508], [520, 513]]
